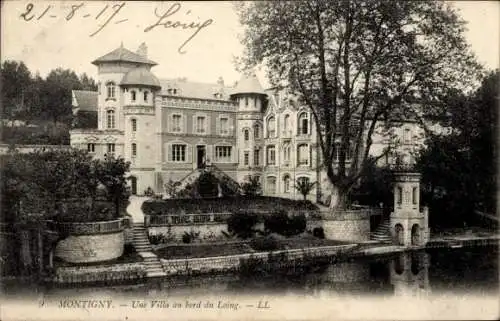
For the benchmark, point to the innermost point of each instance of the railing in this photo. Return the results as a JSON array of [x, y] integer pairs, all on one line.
[[345, 215], [86, 228], [186, 219]]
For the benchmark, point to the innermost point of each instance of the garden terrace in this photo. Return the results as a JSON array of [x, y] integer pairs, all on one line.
[[226, 205]]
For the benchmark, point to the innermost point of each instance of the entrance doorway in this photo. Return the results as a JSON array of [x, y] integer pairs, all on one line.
[[200, 156], [133, 185]]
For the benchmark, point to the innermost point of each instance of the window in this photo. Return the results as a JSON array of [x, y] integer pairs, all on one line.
[[224, 125], [132, 95], [110, 117], [399, 196], [134, 149], [271, 155], [415, 196], [223, 153], [256, 157], [303, 154], [111, 148], [246, 101], [303, 180], [286, 125], [134, 125], [91, 148], [200, 124], [176, 123], [286, 184], [246, 158], [303, 123], [407, 136], [271, 185], [146, 93], [286, 153], [256, 131], [110, 90], [246, 135], [178, 153], [271, 127]]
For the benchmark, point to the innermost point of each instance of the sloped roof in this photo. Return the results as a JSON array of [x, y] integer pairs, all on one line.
[[248, 84], [123, 54], [140, 76], [85, 100], [191, 89]]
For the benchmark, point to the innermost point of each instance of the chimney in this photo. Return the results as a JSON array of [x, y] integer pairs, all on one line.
[[143, 50]]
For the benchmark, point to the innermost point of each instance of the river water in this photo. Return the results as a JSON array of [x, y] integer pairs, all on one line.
[[439, 283]]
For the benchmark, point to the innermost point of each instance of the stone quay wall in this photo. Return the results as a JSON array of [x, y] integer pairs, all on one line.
[[234, 262], [91, 248]]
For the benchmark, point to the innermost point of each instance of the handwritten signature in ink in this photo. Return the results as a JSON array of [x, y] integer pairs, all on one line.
[[163, 21], [109, 16]]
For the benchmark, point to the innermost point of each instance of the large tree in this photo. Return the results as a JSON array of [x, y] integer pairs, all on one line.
[[357, 63]]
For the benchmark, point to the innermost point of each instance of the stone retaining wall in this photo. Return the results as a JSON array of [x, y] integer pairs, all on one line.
[[90, 248], [233, 262], [90, 274]]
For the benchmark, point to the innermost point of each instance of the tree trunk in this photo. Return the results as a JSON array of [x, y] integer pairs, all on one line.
[[339, 199]]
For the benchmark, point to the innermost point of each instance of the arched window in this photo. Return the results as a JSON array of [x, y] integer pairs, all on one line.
[[134, 149], [246, 135], [133, 95], [110, 90], [399, 195], [271, 127], [303, 123], [286, 183], [303, 154], [286, 124], [256, 131], [415, 196], [271, 155], [146, 93], [134, 124], [286, 152], [110, 118]]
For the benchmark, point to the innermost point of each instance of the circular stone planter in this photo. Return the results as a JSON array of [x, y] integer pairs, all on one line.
[[90, 242]]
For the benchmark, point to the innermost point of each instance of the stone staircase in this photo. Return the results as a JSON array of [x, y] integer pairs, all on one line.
[[225, 179], [382, 232], [143, 247], [188, 179]]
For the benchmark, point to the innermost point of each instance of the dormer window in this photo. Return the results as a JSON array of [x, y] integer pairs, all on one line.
[[110, 90], [133, 95]]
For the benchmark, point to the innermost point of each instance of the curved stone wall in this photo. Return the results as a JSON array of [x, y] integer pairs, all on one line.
[[91, 248]]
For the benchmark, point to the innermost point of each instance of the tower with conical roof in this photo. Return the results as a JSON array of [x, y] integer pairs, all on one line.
[[251, 100], [126, 109]]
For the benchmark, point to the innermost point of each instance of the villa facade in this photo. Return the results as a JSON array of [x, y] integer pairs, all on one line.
[[169, 128]]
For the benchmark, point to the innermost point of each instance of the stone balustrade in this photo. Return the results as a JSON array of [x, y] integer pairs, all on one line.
[[88, 228]]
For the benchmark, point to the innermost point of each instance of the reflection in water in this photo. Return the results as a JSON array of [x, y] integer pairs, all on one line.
[[404, 274]]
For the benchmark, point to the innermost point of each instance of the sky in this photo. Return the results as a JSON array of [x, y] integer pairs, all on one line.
[[47, 34]]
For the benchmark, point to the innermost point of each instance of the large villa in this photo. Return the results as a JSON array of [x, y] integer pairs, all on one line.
[[169, 128]]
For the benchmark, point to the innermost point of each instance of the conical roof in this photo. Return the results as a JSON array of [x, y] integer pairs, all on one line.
[[140, 76], [123, 54], [248, 84]]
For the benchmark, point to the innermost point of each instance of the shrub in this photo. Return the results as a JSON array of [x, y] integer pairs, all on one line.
[[208, 185], [189, 237], [251, 187], [319, 232], [242, 224], [264, 243], [280, 223], [149, 192]]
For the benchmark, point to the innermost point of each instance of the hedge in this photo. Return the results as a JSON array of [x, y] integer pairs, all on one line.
[[225, 205]]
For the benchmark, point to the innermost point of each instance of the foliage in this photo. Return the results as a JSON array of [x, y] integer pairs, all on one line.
[[319, 232], [171, 188], [190, 237], [225, 205], [61, 184], [34, 99], [242, 224], [375, 187], [304, 187], [264, 243], [208, 185], [358, 66], [459, 170], [279, 222], [149, 192], [251, 186]]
